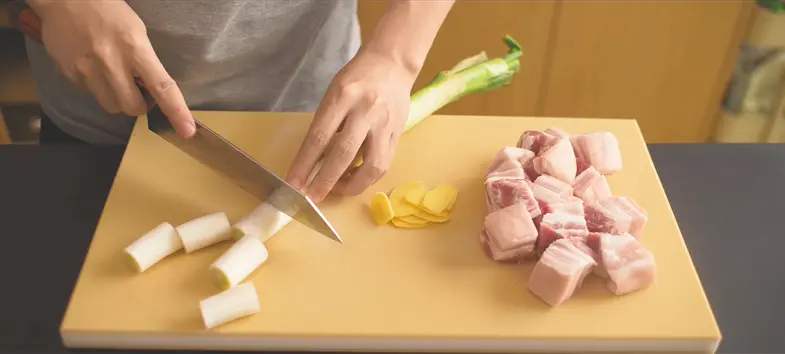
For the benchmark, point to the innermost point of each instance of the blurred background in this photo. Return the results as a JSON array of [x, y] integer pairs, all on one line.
[[688, 71]]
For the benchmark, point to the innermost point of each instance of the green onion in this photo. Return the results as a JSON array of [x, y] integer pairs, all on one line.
[[473, 74]]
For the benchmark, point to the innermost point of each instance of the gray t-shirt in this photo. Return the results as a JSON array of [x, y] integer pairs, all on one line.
[[261, 55]]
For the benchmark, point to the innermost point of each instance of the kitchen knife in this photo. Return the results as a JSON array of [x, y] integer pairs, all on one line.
[[212, 150]]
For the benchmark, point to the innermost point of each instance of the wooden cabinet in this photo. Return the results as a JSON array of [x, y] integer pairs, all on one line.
[[664, 63]]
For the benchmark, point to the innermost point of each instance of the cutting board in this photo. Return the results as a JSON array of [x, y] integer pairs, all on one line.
[[384, 289]]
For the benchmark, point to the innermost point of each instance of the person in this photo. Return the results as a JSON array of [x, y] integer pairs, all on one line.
[[262, 55]]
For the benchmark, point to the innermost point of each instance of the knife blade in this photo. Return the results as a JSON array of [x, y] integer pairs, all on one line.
[[223, 157]]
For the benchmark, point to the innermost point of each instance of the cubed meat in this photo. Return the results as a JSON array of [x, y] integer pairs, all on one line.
[[536, 140], [615, 215], [559, 272], [563, 189], [550, 201], [580, 165], [583, 244], [510, 233], [514, 172], [502, 192], [509, 158], [592, 241], [557, 161], [599, 149], [638, 214], [531, 173], [591, 186], [486, 247], [608, 216], [630, 266], [559, 225], [553, 131]]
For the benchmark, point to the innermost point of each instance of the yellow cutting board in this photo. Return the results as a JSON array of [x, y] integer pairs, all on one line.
[[384, 289]]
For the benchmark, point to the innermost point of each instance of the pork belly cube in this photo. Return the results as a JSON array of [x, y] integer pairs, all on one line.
[[514, 172], [502, 192], [553, 131], [549, 201], [531, 173], [535, 140], [563, 189], [630, 266], [509, 158], [557, 161], [486, 247], [580, 165], [638, 214], [608, 216], [592, 241], [599, 149], [560, 225], [583, 244], [510, 233], [591, 186], [559, 272]]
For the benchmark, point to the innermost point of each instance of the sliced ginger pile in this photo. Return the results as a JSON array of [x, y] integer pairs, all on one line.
[[410, 205]]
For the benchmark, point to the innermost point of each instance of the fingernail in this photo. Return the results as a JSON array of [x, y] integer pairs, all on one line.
[[296, 183], [188, 128]]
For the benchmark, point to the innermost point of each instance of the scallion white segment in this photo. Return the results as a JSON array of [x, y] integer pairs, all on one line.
[[263, 222], [204, 231], [230, 304], [239, 261], [154, 246]]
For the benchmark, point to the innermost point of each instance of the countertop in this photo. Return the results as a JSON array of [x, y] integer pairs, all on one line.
[[726, 198]]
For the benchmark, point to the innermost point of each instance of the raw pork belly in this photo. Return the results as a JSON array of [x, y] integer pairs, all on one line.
[[581, 165], [615, 215], [550, 201], [563, 189], [592, 242], [559, 272], [629, 266], [591, 186], [549, 198], [560, 225], [639, 216], [599, 149], [509, 158], [557, 161], [535, 140], [553, 131], [510, 233], [607, 215], [502, 192]]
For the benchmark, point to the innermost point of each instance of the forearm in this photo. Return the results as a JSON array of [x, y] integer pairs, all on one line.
[[407, 30]]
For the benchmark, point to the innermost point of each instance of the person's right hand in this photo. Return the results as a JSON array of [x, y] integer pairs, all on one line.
[[101, 45]]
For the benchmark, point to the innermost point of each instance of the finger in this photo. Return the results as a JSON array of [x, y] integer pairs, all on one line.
[[99, 87], [375, 163], [339, 157], [121, 80], [165, 90], [326, 121]]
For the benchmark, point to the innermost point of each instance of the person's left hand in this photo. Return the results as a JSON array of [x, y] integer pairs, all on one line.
[[364, 110]]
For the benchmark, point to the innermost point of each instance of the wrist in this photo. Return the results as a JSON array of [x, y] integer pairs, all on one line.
[[406, 63]]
